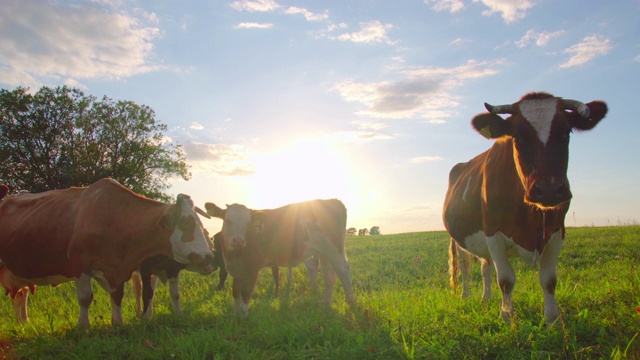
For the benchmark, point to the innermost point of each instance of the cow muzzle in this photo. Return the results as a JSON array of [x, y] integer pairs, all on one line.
[[549, 194], [199, 259], [237, 242]]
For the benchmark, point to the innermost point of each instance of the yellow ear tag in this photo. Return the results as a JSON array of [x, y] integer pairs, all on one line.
[[486, 132], [255, 222]]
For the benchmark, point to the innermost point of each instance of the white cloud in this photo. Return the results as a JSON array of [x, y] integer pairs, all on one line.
[[69, 43], [421, 159], [591, 47], [255, 5], [361, 136], [538, 38], [446, 5], [512, 10], [424, 93], [370, 32], [225, 160], [251, 25], [196, 126], [460, 41], [306, 13], [333, 27], [637, 58]]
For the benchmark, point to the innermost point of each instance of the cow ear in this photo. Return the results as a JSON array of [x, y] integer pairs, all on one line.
[[491, 126], [214, 210], [3, 191], [258, 217], [597, 111]]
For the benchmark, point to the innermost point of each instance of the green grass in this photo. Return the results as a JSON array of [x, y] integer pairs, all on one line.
[[405, 310]]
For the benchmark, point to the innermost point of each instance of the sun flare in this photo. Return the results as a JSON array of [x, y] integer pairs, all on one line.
[[302, 170]]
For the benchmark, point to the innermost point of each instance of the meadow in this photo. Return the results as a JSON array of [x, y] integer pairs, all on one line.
[[406, 310]]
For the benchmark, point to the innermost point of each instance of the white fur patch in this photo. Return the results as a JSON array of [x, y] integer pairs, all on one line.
[[540, 113]]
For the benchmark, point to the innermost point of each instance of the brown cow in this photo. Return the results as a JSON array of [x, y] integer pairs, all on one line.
[[103, 231], [512, 199], [285, 236]]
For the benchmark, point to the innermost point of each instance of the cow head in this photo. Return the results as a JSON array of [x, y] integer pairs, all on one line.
[[539, 127], [189, 244], [239, 223]]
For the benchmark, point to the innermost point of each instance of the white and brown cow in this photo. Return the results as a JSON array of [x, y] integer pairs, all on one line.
[[103, 231], [285, 236], [512, 199]]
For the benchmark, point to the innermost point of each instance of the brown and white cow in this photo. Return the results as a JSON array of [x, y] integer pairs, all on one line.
[[512, 199], [285, 236], [103, 231]]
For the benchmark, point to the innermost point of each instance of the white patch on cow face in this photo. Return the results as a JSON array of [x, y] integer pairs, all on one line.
[[192, 247], [540, 113], [236, 223]]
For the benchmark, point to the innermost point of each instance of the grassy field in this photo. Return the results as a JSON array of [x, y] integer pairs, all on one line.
[[405, 310]]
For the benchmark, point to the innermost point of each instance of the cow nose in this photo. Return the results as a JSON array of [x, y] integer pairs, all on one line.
[[550, 193], [237, 241], [195, 258]]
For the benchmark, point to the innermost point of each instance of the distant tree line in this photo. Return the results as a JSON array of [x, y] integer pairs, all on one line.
[[364, 232], [59, 137]]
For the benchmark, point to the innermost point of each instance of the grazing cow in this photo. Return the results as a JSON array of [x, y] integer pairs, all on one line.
[[103, 231], [512, 199], [162, 267], [311, 264], [285, 236]]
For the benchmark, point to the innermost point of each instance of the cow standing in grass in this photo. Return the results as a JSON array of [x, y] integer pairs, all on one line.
[[285, 236], [103, 231], [512, 199]]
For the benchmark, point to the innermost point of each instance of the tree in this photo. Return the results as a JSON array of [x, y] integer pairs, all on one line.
[[59, 138], [363, 232], [375, 230], [351, 231]]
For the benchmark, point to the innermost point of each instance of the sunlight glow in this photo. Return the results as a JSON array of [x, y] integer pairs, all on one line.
[[300, 171]]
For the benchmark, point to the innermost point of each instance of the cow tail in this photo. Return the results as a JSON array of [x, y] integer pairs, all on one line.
[[453, 262]]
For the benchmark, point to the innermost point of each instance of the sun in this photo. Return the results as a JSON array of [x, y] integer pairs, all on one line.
[[300, 171]]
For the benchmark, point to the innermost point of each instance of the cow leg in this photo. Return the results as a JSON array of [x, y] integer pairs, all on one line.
[[223, 278], [487, 274], [464, 264], [116, 305], [242, 291], [174, 292], [136, 284], [85, 297], [20, 305], [504, 272], [548, 275], [329, 275], [149, 283], [312, 264]]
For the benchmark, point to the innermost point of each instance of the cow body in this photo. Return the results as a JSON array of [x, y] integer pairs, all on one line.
[[103, 231], [285, 236], [512, 199]]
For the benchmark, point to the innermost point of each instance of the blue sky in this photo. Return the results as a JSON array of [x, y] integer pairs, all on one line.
[[366, 101]]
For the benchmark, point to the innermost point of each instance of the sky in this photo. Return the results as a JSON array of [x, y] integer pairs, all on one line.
[[370, 102]]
